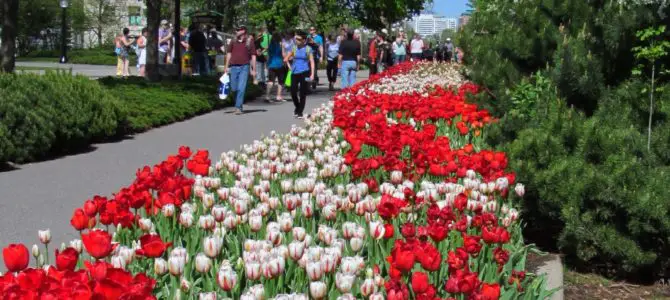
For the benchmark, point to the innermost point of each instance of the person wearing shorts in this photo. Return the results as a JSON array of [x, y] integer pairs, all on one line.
[[276, 68]]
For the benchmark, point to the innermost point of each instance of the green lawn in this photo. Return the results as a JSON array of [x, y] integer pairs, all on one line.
[[94, 56], [30, 68]]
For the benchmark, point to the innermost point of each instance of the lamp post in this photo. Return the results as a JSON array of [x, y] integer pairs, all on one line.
[[63, 31]]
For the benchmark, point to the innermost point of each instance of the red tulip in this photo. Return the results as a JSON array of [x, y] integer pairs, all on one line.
[[501, 256], [67, 260], [404, 260], [16, 257], [457, 259], [184, 152], [98, 243], [80, 220], [408, 230], [388, 230], [490, 291], [420, 282], [471, 244], [90, 208], [496, 235], [152, 246], [429, 257]]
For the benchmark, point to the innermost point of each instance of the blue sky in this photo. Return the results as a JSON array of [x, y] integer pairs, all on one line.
[[450, 8]]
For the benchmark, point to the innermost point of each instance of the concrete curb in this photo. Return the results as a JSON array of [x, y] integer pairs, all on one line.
[[552, 268]]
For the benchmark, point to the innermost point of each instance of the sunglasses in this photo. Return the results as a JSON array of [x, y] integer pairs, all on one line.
[[299, 39]]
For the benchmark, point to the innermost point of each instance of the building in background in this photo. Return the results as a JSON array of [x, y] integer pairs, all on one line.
[[427, 24], [106, 18]]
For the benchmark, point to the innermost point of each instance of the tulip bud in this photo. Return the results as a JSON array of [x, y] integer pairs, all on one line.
[[206, 222], [219, 212], [253, 270], [44, 235], [184, 285], [186, 219], [208, 200], [176, 265], [299, 233], [377, 230], [256, 223], [207, 296], [396, 177], [202, 263], [35, 251], [317, 289], [226, 278], [314, 270], [168, 210], [376, 296], [520, 189], [344, 282], [118, 262], [356, 244], [40, 259], [77, 245], [296, 249], [368, 287], [145, 224], [160, 266], [212, 246]]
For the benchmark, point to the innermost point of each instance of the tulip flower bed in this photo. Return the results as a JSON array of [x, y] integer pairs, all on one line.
[[385, 193]]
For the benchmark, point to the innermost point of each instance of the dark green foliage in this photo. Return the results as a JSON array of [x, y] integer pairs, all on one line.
[[574, 124], [56, 112], [152, 104], [93, 56], [593, 190]]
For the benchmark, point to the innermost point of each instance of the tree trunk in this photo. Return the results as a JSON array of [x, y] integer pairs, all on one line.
[[10, 11], [153, 23]]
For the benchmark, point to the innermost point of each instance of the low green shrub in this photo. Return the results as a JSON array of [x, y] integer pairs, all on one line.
[[593, 190], [53, 113], [152, 104], [93, 56]]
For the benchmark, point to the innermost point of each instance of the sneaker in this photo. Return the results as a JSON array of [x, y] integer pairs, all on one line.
[[331, 87], [238, 112], [267, 99], [295, 116], [300, 117]]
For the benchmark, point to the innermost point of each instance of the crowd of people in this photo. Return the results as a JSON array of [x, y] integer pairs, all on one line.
[[280, 60]]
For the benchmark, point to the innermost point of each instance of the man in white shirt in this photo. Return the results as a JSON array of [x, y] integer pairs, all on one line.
[[416, 47]]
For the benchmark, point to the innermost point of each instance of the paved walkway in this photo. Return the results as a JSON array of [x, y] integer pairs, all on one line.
[[44, 194]]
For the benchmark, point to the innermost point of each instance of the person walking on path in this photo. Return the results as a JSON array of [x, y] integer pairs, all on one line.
[[198, 44], [317, 45], [349, 60], [164, 37], [262, 41], [417, 47], [117, 51], [302, 68], [142, 52], [217, 50], [333, 47], [240, 60], [276, 68]]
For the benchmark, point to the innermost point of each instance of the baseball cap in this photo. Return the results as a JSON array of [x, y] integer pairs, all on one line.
[[242, 27], [163, 22]]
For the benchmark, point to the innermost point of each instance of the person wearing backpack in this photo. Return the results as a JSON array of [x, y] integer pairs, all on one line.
[[240, 63], [302, 68]]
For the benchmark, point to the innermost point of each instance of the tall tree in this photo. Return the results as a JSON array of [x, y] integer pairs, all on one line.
[[101, 14], [10, 12], [375, 14], [153, 23]]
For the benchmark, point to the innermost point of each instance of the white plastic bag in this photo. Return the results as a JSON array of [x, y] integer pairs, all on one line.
[[224, 87]]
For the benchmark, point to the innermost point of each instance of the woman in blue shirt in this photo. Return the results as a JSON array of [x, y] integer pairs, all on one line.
[[276, 69], [302, 69]]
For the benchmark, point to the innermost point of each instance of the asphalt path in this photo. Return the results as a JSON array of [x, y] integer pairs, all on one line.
[[44, 194]]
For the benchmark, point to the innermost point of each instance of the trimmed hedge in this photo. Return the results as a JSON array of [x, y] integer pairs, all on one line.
[[152, 104], [53, 113], [57, 112], [93, 56]]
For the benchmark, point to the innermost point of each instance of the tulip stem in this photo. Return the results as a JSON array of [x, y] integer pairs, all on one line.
[[46, 254]]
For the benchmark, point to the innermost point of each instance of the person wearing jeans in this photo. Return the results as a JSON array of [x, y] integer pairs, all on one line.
[[349, 60], [302, 68], [331, 68], [240, 62]]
